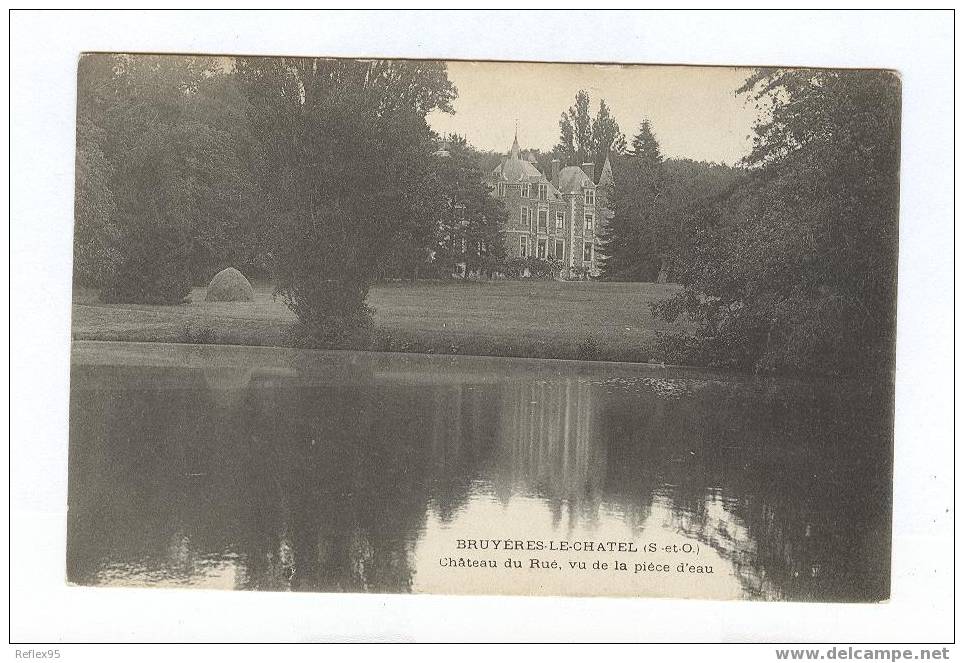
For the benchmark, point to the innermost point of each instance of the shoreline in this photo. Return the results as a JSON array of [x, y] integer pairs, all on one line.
[[191, 355], [542, 320]]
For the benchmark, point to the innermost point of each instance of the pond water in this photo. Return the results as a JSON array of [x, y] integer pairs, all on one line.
[[272, 469]]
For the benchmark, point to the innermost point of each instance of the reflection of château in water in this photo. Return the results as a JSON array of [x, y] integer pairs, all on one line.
[[550, 447], [319, 476]]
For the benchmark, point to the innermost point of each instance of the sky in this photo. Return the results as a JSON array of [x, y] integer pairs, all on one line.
[[693, 111]]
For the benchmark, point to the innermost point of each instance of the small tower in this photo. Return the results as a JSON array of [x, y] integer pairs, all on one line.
[[604, 190], [606, 174], [514, 152]]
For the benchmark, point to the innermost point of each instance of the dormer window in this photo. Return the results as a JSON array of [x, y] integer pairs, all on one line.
[[543, 192], [590, 197], [525, 190]]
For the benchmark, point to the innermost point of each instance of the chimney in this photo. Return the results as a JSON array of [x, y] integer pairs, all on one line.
[[555, 173], [589, 168]]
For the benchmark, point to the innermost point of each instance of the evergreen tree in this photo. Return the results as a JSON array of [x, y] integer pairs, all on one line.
[[631, 246]]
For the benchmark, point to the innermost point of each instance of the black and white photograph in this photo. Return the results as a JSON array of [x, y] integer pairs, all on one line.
[[391, 326], [347, 325]]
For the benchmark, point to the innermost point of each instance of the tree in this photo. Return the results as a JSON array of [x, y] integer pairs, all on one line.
[[657, 200], [472, 220], [152, 176], [94, 209], [175, 186], [631, 246], [687, 192], [606, 136], [585, 139], [347, 159], [796, 269]]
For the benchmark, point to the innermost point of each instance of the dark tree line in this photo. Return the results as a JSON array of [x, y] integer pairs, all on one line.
[[323, 175], [654, 203], [788, 261], [161, 185], [794, 267], [320, 174]]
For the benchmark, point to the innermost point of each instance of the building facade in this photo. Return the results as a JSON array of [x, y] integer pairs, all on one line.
[[558, 217]]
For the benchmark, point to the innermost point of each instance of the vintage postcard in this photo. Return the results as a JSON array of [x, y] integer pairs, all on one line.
[[392, 326]]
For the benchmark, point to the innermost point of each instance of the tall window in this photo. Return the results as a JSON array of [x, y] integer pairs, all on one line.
[[543, 220], [560, 220], [587, 252], [589, 220], [543, 192], [590, 197], [523, 246], [525, 217], [501, 188], [560, 250], [525, 191], [541, 249]]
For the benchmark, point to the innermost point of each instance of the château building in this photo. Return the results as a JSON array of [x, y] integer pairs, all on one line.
[[557, 217]]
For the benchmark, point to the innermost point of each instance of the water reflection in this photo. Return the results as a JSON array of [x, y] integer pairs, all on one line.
[[279, 470]]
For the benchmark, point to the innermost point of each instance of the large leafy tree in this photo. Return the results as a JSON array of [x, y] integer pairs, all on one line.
[[348, 162], [606, 136], [94, 209], [797, 268], [584, 138], [157, 183], [688, 190], [472, 220]]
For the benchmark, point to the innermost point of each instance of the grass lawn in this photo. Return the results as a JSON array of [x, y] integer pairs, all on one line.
[[564, 320]]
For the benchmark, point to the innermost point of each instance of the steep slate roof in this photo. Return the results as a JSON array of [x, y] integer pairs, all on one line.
[[572, 178], [606, 175], [515, 169]]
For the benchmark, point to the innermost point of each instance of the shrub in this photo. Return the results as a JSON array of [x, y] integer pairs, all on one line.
[[543, 269], [333, 313], [537, 268]]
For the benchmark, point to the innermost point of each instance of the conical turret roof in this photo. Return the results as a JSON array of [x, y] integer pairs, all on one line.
[[606, 174], [514, 152]]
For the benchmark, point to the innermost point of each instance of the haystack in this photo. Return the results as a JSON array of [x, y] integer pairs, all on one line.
[[229, 285]]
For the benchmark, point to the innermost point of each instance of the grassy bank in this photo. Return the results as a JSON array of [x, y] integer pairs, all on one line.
[[579, 320]]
